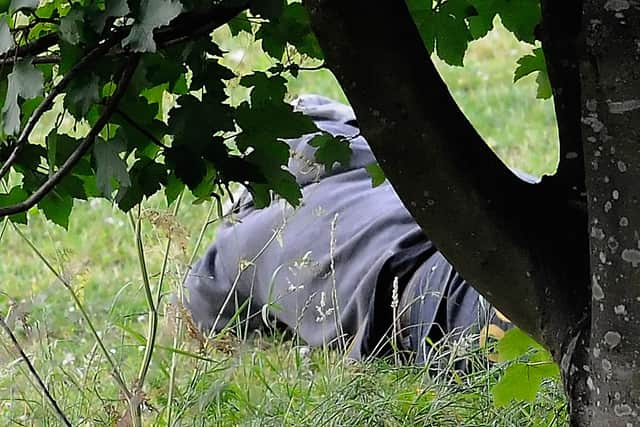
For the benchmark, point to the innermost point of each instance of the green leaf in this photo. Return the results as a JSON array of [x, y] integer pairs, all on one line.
[[158, 69], [544, 86], [520, 17], [187, 165], [64, 146], [529, 64], [521, 381], [6, 39], [268, 115], [230, 167], [267, 120], [82, 93], [292, 27], [73, 186], [444, 30], [331, 150], [114, 8], [69, 55], [25, 81], [173, 188], [424, 18], [153, 14], [240, 23], [535, 63], [147, 177], [29, 157], [482, 22], [452, 38], [268, 9], [376, 173], [23, 4], [277, 121], [16, 195], [136, 113], [110, 166], [265, 89], [57, 207], [71, 26], [271, 157], [515, 344], [206, 187], [210, 114], [210, 74], [260, 195]]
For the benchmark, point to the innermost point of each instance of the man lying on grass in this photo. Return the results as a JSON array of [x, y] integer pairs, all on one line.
[[348, 268]]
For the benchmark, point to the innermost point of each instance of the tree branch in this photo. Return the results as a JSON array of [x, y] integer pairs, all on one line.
[[496, 233], [44, 59], [185, 26], [81, 149], [36, 47]]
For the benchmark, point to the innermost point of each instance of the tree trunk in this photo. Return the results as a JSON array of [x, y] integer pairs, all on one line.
[[562, 258], [610, 86], [475, 210]]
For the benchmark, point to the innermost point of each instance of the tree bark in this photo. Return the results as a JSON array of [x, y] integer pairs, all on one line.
[[610, 86], [562, 258], [514, 241]]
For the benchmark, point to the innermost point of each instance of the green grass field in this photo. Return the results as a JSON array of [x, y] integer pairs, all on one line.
[[267, 380]]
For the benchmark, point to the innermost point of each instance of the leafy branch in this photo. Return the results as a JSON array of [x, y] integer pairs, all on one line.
[[48, 101], [82, 148], [184, 27]]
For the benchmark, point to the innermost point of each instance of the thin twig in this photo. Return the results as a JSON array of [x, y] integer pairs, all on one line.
[[26, 374], [115, 372], [163, 270], [63, 418], [165, 260], [153, 310], [4, 228], [152, 328], [81, 149], [334, 286]]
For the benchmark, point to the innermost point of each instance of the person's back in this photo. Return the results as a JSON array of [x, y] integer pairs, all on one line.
[[326, 269]]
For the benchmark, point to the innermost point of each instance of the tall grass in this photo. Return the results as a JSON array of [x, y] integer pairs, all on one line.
[[98, 310]]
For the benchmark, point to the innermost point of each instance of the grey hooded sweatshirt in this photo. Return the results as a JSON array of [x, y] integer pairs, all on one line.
[[326, 270]]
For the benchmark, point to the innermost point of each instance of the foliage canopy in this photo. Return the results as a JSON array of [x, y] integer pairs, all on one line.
[[129, 98]]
